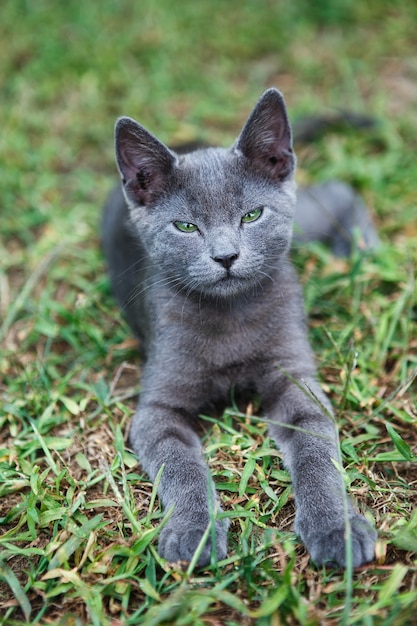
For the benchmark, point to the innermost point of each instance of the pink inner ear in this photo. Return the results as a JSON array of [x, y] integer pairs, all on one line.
[[281, 164], [144, 162], [266, 137], [144, 172], [272, 155], [144, 179], [129, 161]]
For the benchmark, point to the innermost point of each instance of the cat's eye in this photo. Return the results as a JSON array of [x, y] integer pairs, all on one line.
[[252, 216], [186, 227]]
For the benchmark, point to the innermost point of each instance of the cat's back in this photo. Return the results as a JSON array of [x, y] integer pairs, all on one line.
[[125, 257]]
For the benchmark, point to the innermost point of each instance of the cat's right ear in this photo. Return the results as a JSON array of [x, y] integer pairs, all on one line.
[[144, 162], [266, 138]]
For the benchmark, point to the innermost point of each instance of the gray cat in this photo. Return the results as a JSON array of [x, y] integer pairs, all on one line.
[[197, 248]]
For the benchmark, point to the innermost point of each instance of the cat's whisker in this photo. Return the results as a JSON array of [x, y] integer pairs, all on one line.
[[129, 268], [140, 291]]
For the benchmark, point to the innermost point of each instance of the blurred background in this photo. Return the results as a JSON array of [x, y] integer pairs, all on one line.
[[192, 70]]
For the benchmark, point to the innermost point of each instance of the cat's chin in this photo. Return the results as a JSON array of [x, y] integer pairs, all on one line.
[[228, 287]]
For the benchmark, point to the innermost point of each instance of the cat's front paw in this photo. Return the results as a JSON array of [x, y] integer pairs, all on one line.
[[181, 537], [327, 546]]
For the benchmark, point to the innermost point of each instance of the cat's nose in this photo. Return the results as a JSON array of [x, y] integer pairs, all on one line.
[[226, 260]]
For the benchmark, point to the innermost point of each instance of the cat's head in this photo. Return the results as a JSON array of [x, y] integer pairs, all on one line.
[[215, 221]]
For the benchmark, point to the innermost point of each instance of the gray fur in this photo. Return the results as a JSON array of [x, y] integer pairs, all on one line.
[[217, 308]]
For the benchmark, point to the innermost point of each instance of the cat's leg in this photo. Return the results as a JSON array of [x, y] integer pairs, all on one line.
[[162, 435], [303, 428]]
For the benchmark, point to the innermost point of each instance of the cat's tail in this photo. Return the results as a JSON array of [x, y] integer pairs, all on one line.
[[335, 214], [312, 127], [306, 129]]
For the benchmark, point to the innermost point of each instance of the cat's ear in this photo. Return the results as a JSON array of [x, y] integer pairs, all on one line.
[[266, 138], [144, 162]]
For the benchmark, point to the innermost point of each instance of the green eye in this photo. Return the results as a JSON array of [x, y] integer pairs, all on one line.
[[252, 216], [186, 227]]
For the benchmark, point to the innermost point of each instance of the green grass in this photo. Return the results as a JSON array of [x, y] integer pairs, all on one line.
[[78, 519]]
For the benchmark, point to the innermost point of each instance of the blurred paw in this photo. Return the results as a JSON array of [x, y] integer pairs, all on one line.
[[328, 546], [181, 537]]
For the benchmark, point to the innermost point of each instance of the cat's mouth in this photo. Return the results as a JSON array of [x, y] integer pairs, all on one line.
[[224, 284], [229, 284]]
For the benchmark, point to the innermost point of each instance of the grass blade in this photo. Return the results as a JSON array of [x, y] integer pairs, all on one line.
[[10, 577]]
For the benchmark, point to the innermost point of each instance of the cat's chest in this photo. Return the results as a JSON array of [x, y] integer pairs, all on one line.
[[222, 338]]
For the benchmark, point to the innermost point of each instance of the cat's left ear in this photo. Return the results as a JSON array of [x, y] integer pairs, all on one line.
[[266, 138]]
